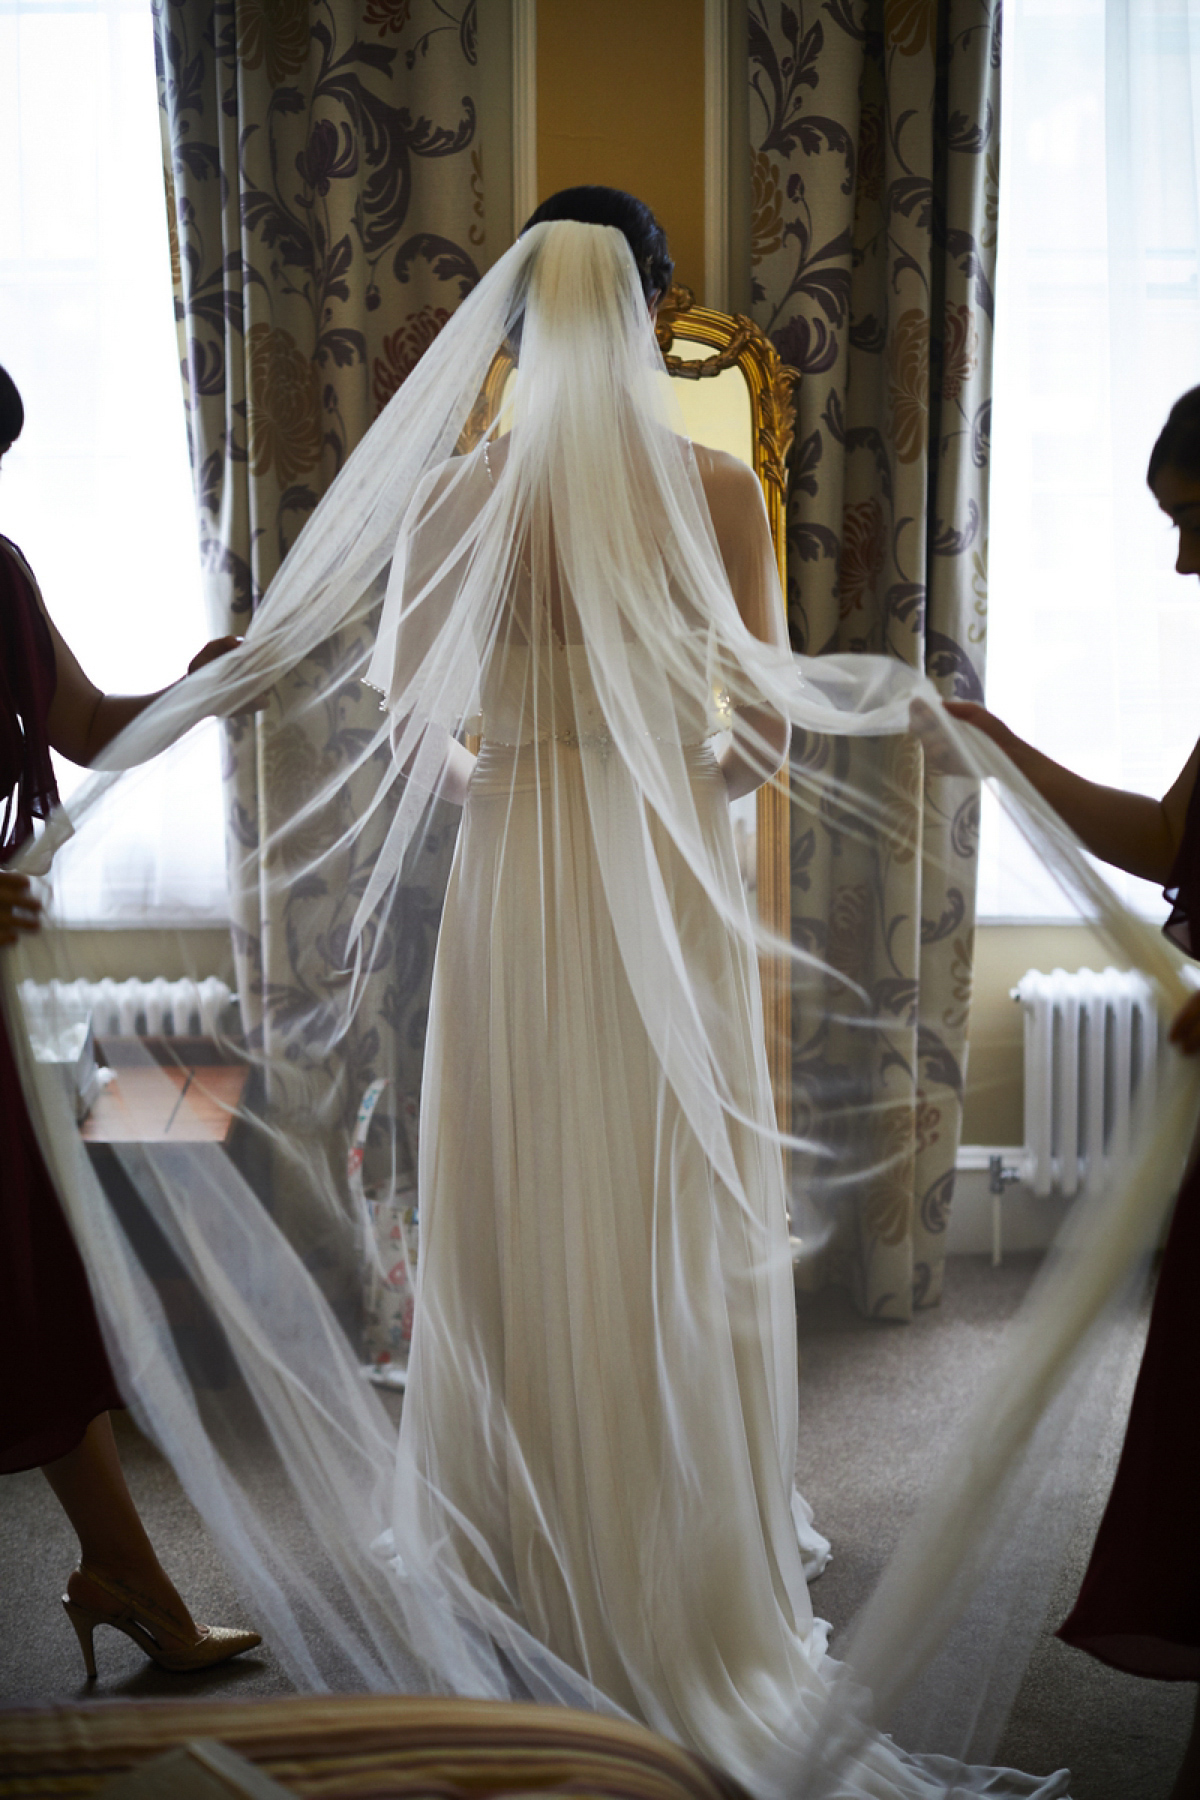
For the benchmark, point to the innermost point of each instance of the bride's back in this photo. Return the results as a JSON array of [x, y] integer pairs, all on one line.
[[543, 670]]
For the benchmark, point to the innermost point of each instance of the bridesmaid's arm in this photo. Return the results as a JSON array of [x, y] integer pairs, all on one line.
[[1131, 831], [82, 720]]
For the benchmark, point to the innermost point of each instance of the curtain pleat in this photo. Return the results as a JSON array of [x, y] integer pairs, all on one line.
[[875, 158], [324, 178]]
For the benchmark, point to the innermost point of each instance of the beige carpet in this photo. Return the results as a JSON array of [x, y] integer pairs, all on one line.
[[876, 1404], [877, 1401]]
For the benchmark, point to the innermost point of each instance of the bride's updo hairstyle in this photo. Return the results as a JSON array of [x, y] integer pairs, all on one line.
[[1178, 443], [612, 206]]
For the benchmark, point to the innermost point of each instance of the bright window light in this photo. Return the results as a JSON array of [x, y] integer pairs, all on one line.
[[97, 493], [1094, 641]]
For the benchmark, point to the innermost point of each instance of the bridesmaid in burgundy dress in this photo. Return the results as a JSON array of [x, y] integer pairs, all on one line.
[[1139, 1606], [59, 1388]]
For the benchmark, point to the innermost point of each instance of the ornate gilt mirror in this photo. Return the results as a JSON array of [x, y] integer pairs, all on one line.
[[735, 395]]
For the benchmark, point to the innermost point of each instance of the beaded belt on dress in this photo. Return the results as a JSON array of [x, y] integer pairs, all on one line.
[[574, 740], [584, 740], [524, 765]]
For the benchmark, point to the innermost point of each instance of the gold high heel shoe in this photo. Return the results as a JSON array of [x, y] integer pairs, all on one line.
[[141, 1622]]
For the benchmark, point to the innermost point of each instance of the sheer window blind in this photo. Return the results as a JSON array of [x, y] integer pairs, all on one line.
[[97, 492], [1094, 641]]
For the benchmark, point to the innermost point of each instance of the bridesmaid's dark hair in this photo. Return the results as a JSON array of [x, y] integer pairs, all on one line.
[[612, 206], [1178, 445], [12, 413]]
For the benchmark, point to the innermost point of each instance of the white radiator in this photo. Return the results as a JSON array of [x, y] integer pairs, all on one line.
[[1091, 1046], [133, 1008]]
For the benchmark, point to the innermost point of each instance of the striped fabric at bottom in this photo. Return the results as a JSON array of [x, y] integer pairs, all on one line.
[[362, 1748]]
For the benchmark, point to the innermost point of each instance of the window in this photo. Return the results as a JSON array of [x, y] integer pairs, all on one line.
[[97, 492], [1094, 641]]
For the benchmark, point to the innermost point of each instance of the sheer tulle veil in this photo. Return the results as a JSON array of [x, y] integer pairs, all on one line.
[[578, 588]]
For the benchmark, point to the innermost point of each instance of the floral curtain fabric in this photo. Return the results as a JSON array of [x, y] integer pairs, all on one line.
[[875, 147], [324, 180]]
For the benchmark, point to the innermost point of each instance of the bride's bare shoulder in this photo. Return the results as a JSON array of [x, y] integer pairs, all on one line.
[[713, 461], [734, 496], [724, 474]]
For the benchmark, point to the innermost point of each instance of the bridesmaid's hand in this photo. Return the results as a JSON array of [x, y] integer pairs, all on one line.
[[218, 647], [941, 756], [1185, 1027], [212, 650], [19, 909], [971, 713]]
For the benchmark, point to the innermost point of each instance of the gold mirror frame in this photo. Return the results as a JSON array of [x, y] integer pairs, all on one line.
[[736, 343]]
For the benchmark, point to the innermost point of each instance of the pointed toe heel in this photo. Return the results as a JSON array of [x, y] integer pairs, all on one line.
[[218, 1645], [155, 1633], [85, 1622]]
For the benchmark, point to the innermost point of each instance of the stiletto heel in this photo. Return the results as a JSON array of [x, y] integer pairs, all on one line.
[[152, 1631], [85, 1622]]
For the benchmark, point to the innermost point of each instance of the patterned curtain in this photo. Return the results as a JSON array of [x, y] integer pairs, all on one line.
[[874, 129], [325, 197]]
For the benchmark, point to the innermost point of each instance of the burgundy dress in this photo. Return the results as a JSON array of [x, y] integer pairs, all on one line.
[[56, 1376], [1139, 1606]]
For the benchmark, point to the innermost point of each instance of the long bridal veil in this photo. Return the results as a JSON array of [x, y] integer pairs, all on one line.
[[591, 1500]]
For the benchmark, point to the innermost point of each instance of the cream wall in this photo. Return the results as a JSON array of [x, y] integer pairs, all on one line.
[[620, 100], [994, 1110], [141, 955]]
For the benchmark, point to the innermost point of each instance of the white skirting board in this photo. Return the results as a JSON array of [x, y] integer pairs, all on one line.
[[1026, 1222]]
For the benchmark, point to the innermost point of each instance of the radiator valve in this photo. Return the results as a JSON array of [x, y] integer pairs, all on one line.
[[1001, 1175]]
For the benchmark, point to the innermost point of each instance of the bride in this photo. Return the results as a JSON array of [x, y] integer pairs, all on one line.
[[593, 1495], [601, 1410]]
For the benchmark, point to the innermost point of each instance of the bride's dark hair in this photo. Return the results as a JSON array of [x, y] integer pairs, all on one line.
[[1178, 443], [612, 206]]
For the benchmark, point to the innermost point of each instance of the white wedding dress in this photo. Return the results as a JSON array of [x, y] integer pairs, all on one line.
[[619, 1464]]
